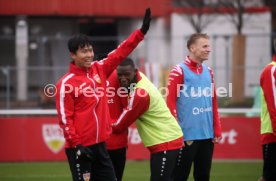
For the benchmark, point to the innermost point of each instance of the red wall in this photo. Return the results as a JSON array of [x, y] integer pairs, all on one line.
[[40, 139], [104, 8], [126, 8]]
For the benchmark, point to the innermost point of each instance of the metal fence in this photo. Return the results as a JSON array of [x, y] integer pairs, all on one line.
[[48, 61]]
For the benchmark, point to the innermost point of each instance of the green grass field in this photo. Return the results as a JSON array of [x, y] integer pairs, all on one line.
[[135, 171]]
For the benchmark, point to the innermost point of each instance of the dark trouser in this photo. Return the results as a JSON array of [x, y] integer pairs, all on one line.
[[100, 168], [118, 158], [162, 165], [269, 167], [199, 152]]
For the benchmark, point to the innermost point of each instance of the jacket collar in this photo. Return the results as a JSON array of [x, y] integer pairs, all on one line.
[[188, 61], [77, 70]]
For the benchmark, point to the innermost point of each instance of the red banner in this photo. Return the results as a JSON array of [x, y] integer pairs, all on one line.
[[240, 139], [31, 139], [41, 139]]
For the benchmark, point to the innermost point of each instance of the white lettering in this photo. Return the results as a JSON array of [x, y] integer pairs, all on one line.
[[197, 110], [229, 137], [221, 91], [110, 101]]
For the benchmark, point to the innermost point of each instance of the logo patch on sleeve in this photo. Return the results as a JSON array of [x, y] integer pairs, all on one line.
[[97, 78]]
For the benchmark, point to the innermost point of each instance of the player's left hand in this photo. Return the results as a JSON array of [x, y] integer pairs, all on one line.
[[216, 140]]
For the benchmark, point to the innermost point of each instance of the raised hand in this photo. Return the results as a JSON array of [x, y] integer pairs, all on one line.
[[146, 21]]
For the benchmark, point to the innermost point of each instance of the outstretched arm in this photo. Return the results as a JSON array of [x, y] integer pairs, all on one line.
[[137, 106], [115, 57]]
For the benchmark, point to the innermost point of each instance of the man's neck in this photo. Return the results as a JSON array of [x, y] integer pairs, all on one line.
[[193, 59]]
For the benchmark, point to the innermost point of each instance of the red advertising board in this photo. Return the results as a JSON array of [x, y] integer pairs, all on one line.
[[31, 139], [40, 139], [240, 139]]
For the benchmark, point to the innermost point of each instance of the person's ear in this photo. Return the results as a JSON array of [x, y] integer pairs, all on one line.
[[72, 55], [192, 48]]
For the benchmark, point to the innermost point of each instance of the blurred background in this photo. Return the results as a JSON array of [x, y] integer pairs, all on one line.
[[33, 54], [34, 34]]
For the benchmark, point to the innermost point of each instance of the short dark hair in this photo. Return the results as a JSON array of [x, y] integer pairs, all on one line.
[[78, 41], [128, 61], [194, 37]]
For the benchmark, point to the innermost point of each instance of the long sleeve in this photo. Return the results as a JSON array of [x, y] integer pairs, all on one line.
[[65, 109], [114, 100], [217, 123], [174, 83], [268, 85], [115, 57], [138, 104]]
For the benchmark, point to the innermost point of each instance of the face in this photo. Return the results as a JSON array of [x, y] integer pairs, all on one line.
[[83, 57], [200, 50], [126, 75]]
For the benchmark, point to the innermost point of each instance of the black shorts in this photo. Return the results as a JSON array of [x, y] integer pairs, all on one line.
[[98, 169], [269, 167]]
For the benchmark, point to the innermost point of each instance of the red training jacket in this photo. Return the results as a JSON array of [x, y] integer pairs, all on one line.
[[81, 100]]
